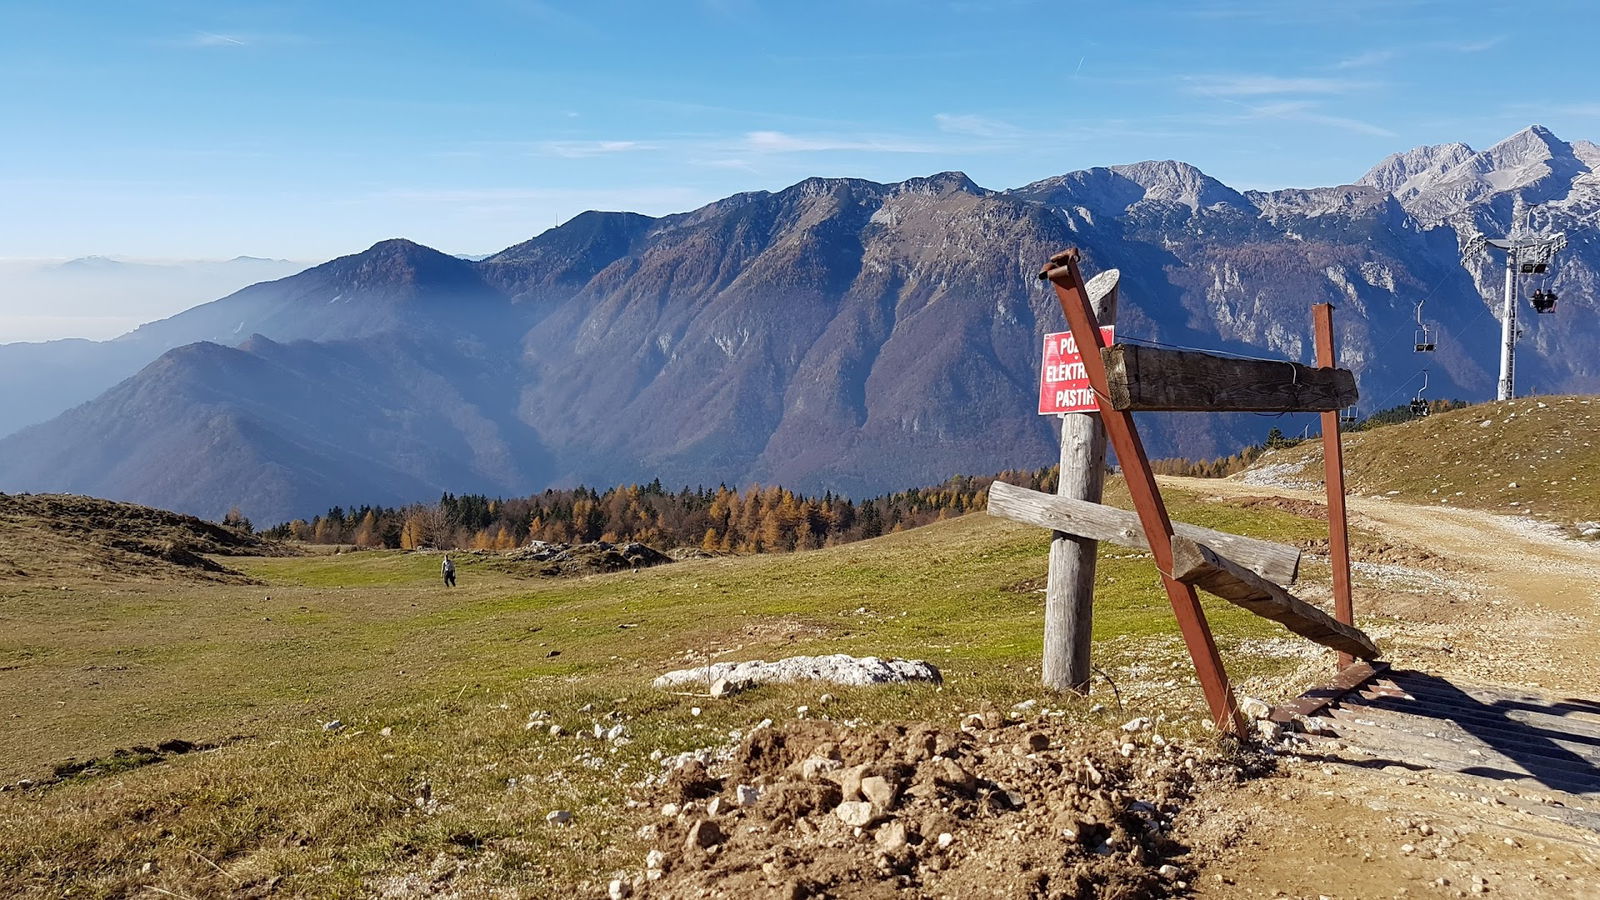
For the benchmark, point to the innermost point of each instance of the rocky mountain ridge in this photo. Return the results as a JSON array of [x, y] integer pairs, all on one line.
[[838, 334]]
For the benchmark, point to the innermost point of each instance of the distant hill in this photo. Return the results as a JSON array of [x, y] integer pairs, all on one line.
[[1537, 456], [48, 537], [839, 334]]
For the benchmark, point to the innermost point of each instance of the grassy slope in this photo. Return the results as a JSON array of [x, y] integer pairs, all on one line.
[[1549, 447], [371, 639]]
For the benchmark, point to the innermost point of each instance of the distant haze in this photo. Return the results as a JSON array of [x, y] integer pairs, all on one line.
[[99, 298]]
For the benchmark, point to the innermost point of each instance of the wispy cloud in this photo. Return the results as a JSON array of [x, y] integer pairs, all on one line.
[[213, 39], [1303, 111], [234, 39], [784, 142], [977, 126], [1267, 85], [1367, 59], [589, 149]]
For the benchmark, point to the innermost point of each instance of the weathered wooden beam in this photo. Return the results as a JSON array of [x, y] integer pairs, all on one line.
[[1154, 378], [1195, 563], [1069, 589], [1093, 521]]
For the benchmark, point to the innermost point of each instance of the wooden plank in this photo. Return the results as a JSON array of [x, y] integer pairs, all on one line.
[[1276, 562], [1155, 378], [1314, 701], [1069, 589], [1199, 565], [1333, 479]]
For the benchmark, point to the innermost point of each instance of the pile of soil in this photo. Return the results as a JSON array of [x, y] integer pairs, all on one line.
[[597, 557], [995, 809], [66, 535]]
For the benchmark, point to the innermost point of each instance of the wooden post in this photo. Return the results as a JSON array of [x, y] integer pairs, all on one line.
[[1068, 284], [1333, 479], [1069, 591]]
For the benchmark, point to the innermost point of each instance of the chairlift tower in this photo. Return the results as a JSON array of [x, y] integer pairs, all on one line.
[[1527, 253]]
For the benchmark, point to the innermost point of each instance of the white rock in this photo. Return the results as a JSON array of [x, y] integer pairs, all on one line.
[[556, 731], [655, 859], [694, 710], [669, 810], [559, 817], [1025, 705], [945, 840], [1255, 709], [616, 731], [825, 699], [857, 813], [815, 766], [1134, 725], [1168, 872], [839, 668], [619, 889], [745, 795]]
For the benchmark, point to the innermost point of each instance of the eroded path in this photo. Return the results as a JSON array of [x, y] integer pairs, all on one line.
[[1502, 602]]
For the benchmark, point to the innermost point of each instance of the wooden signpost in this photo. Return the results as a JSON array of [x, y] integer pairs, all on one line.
[[1251, 574]]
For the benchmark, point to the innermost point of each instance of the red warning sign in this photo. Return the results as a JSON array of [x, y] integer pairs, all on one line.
[[1063, 383]]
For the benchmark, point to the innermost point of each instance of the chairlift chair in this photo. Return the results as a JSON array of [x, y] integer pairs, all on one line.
[[1544, 302], [1419, 407], [1424, 335], [1348, 416]]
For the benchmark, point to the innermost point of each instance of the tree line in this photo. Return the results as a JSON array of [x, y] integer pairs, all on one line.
[[758, 519]]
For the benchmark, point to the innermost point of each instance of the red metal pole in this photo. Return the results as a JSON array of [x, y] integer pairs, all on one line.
[[1333, 477], [1068, 284]]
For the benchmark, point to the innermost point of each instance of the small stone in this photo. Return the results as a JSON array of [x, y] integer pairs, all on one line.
[[616, 731], [655, 859], [746, 795], [619, 889], [587, 707], [1037, 743], [703, 835], [801, 711], [724, 687], [1025, 706], [669, 810], [879, 791], [1168, 872], [1136, 725], [816, 766], [1269, 731], [1255, 709], [945, 840], [556, 731], [856, 813], [559, 817], [694, 710], [892, 838], [334, 725], [949, 772], [825, 699], [385, 731], [1408, 848], [715, 807], [148, 868]]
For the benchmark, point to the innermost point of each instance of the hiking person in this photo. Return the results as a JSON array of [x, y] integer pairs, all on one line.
[[449, 572]]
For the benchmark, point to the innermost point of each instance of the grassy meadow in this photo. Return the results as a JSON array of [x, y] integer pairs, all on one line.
[[438, 686]]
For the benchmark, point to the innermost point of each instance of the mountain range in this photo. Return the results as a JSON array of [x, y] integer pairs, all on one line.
[[838, 334]]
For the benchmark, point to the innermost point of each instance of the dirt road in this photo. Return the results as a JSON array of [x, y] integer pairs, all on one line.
[[1506, 602]]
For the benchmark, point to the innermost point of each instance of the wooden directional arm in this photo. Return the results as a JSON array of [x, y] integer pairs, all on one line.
[[1199, 565]]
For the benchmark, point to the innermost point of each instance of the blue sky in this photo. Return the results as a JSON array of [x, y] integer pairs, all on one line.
[[312, 129]]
